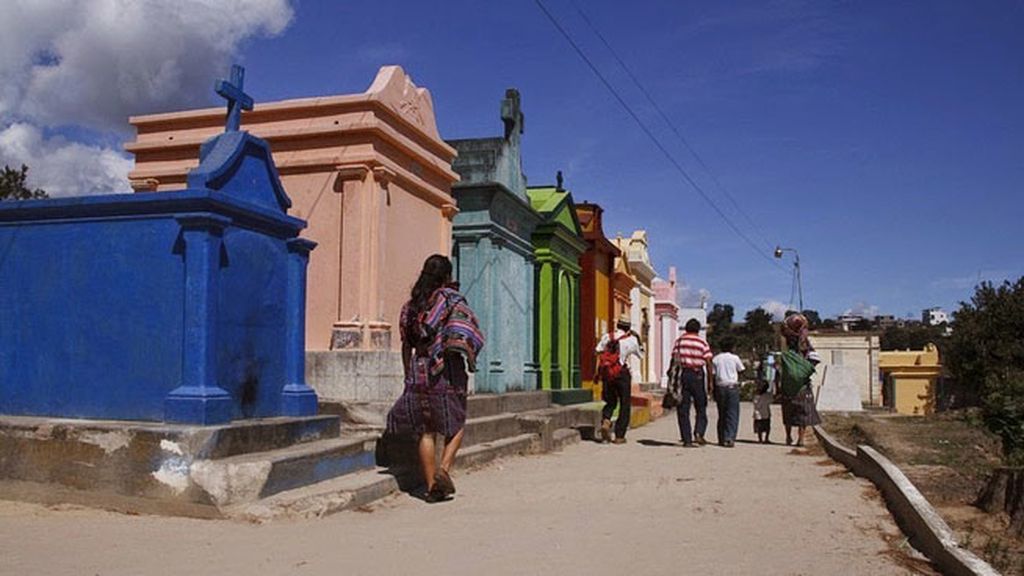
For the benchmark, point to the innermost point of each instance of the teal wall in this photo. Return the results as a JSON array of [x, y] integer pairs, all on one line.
[[493, 255]]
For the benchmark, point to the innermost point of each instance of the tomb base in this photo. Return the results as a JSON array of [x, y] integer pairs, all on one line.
[[355, 375], [171, 468], [571, 396], [361, 336]]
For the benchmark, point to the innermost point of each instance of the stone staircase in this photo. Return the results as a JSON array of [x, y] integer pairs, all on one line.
[[262, 469], [498, 426]]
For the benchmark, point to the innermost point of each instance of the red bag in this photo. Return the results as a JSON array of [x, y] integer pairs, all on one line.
[[608, 365]]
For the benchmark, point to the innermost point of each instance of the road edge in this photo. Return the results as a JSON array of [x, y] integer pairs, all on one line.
[[915, 515]]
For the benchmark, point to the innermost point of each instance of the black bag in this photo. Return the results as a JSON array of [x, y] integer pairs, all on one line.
[[673, 395]]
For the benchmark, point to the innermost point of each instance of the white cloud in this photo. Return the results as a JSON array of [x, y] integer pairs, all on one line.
[[93, 63], [776, 309], [692, 297], [62, 167], [864, 310]]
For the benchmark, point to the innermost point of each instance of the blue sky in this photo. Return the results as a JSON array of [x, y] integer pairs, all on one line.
[[883, 140]]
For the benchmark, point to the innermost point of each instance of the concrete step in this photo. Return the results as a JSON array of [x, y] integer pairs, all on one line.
[[480, 405], [564, 437], [249, 477], [488, 451], [571, 396], [650, 386], [319, 500], [401, 452], [490, 428], [360, 414], [244, 437], [366, 486]]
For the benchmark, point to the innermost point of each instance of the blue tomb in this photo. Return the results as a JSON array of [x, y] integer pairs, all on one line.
[[185, 306]]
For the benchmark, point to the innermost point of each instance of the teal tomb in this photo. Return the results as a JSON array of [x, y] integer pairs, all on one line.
[[492, 252]]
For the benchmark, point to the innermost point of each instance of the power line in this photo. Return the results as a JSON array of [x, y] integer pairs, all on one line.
[[647, 131], [671, 125]]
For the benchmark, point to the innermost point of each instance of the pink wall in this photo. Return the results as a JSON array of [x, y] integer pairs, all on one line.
[[666, 313], [369, 172]]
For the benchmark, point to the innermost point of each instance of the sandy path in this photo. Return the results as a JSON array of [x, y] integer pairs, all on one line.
[[647, 507]]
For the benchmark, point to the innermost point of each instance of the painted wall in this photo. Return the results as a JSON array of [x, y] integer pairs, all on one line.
[[558, 246], [184, 307], [493, 254], [910, 379], [597, 311], [369, 172], [857, 353], [666, 313]]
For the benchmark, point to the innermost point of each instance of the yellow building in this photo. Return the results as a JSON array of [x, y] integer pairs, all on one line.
[[635, 250], [910, 379]]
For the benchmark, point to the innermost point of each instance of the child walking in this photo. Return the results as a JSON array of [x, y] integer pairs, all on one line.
[[763, 402]]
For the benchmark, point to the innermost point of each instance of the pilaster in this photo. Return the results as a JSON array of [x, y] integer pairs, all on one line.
[[297, 398], [199, 399]]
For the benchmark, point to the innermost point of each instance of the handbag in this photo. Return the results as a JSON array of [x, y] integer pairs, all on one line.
[[673, 395], [670, 400]]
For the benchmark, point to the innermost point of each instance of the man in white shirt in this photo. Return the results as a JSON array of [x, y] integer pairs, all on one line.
[[727, 392], [617, 381]]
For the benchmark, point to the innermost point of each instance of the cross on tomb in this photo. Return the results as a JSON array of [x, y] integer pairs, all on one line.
[[512, 113], [237, 99]]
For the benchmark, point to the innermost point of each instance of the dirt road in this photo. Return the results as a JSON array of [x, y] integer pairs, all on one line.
[[646, 507]]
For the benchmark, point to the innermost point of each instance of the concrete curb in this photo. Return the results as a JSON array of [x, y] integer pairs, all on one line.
[[918, 519]]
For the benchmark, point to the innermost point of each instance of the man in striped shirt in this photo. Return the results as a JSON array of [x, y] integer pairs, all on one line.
[[693, 356]]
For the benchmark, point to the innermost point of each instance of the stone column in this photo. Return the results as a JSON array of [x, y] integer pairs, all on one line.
[[297, 398], [199, 400]]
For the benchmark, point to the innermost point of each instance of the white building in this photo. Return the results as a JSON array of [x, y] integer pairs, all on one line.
[[701, 314], [849, 368], [934, 316]]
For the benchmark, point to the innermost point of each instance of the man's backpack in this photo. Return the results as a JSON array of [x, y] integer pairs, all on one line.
[[794, 372], [608, 365]]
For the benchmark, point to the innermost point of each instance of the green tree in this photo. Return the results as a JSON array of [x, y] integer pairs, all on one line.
[[719, 323], [758, 333], [986, 353], [862, 325], [913, 337], [12, 185], [813, 319]]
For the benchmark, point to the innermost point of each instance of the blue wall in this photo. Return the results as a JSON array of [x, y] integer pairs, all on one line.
[[180, 306]]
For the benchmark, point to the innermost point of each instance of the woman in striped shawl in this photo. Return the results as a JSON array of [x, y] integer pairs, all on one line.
[[440, 339]]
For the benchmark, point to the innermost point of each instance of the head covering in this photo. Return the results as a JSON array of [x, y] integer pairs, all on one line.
[[794, 325], [795, 331], [624, 321]]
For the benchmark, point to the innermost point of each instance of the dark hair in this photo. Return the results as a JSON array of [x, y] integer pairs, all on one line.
[[727, 343], [437, 271], [692, 325]]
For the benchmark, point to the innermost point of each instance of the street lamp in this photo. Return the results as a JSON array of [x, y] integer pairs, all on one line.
[[796, 266]]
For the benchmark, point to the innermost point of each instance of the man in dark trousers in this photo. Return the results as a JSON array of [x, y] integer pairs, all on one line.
[[693, 355], [625, 343]]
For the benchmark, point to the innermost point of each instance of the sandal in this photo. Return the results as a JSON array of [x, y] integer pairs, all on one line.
[[434, 495], [443, 483]]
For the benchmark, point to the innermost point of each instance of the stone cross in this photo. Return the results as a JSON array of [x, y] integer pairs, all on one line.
[[237, 99], [512, 113]]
